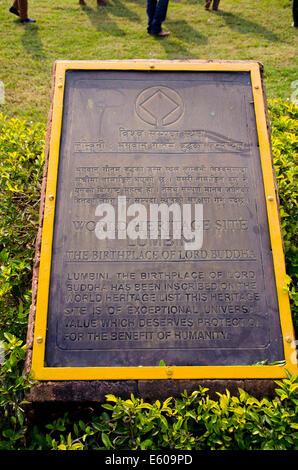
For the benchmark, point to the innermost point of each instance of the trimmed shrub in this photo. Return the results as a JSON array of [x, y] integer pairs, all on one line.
[[283, 118], [21, 164], [190, 422]]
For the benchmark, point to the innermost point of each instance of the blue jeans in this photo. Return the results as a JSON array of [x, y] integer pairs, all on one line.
[[156, 14]]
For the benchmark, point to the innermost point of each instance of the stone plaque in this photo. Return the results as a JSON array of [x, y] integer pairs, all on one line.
[[117, 295]]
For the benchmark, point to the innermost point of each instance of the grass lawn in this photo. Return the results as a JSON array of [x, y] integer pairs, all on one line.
[[253, 30]]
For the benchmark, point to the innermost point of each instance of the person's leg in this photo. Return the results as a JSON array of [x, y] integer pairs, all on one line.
[[20, 8], [159, 16], [215, 5], [15, 8], [151, 6], [295, 13], [207, 4], [23, 9]]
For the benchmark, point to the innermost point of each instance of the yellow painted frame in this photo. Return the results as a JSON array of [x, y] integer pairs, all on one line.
[[41, 372]]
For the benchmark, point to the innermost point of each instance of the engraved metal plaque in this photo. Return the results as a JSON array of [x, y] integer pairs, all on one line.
[[139, 138]]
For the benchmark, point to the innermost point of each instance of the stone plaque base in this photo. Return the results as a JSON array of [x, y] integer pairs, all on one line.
[[149, 390]]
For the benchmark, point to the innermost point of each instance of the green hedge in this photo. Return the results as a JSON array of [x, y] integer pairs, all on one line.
[[284, 118], [190, 422], [21, 164]]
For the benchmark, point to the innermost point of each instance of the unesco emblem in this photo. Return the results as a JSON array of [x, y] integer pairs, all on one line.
[[159, 106]]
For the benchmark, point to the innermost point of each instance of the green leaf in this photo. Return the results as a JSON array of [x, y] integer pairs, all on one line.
[[62, 447], [106, 441], [147, 444], [111, 398], [164, 422], [107, 406]]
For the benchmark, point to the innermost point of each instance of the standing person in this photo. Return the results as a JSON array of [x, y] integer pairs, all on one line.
[[157, 13], [20, 8], [214, 5]]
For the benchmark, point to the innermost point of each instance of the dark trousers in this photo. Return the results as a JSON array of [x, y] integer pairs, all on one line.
[[295, 12], [22, 7], [214, 5], [157, 12]]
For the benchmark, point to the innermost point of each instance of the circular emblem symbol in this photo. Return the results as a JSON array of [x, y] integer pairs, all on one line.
[[159, 106]]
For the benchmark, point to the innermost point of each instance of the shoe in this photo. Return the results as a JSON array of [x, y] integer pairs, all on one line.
[[161, 33], [14, 11], [28, 20], [207, 4]]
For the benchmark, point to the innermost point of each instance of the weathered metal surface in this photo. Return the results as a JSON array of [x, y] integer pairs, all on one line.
[[184, 138]]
